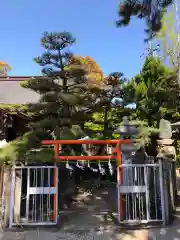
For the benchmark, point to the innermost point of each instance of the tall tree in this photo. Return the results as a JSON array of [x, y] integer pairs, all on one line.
[[89, 64], [62, 93], [150, 10], [168, 38], [155, 91], [107, 106]]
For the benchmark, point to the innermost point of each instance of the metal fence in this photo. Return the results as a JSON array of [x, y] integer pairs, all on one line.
[[33, 199], [147, 193], [140, 193]]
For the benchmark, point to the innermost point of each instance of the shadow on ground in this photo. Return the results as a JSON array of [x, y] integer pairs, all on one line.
[[89, 217], [93, 209]]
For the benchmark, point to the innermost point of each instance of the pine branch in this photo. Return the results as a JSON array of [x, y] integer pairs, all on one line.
[[150, 10]]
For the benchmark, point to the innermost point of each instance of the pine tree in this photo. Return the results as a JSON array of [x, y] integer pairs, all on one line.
[[61, 90], [67, 90], [150, 10]]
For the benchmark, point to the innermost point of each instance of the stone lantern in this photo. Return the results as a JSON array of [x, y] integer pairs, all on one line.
[[127, 131]]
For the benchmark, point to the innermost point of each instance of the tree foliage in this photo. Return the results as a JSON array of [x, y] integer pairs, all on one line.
[[150, 10], [64, 93], [168, 39], [155, 91], [76, 98], [22, 108], [65, 90], [93, 70], [108, 106]]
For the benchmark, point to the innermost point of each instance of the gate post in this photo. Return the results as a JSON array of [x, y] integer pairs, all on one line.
[[55, 199], [162, 192], [11, 212], [119, 203]]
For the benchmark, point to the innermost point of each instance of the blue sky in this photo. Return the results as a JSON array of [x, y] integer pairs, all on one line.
[[91, 22]]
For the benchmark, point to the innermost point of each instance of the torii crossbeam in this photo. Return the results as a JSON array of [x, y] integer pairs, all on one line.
[[117, 156]]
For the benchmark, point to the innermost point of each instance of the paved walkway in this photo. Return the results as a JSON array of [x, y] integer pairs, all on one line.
[[110, 232]]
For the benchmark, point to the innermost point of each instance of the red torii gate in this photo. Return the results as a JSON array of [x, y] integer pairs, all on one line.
[[116, 157]]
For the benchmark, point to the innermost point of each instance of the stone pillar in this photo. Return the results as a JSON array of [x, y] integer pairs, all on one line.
[[5, 200], [165, 148], [167, 154], [17, 198]]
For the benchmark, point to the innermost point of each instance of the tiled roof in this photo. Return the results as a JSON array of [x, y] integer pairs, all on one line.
[[11, 91]]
